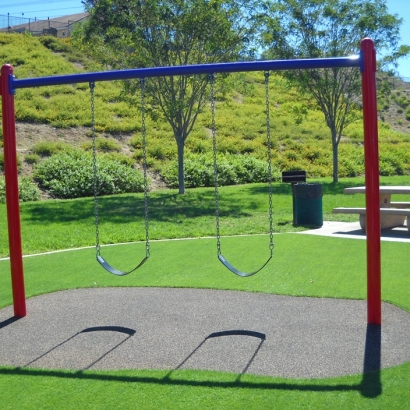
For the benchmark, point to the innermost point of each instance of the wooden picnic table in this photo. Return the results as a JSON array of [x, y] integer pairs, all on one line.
[[392, 214]]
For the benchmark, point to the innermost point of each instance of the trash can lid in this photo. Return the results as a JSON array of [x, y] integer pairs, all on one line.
[[308, 190]]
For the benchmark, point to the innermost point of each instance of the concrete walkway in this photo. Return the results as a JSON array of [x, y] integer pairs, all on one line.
[[352, 230]]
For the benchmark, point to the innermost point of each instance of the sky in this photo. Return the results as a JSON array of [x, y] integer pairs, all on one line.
[[41, 9]]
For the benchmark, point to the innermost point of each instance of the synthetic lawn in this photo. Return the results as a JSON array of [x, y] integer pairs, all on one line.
[[303, 265], [143, 389], [61, 224]]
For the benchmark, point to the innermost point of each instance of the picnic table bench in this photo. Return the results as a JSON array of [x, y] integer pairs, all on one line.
[[392, 214]]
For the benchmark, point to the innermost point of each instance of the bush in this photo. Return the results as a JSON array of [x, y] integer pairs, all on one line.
[[104, 145], [28, 191], [32, 158], [121, 158], [232, 169], [198, 172], [54, 44], [70, 175], [2, 162], [390, 164], [48, 148]]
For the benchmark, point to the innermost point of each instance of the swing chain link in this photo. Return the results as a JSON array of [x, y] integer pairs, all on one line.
[[144, 165], [213, 129], [269, 148], [95, 168]]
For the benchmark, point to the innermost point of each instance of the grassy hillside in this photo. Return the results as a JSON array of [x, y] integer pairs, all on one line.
[[300, 137]]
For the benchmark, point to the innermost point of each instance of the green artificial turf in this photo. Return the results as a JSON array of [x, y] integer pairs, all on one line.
[[303, 265], [185, 389], [62, 224]]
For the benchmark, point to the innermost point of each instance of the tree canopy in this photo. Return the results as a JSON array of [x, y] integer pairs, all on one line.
[[154, 33], [331, 28]]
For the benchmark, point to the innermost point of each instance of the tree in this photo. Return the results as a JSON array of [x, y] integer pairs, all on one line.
[[331, 28], [154, 33]]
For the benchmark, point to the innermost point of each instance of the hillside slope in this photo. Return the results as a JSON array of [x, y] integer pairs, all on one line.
[[300, 136]]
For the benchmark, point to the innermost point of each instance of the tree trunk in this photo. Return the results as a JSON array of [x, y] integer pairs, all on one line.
[[181, 180], [335, 161]]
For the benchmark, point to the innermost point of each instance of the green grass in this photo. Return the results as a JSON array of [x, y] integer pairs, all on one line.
[[142, 389], [303, 265], [61, 224]]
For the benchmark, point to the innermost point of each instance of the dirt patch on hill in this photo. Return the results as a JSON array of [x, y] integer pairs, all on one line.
[[394, 114], [30, 134]]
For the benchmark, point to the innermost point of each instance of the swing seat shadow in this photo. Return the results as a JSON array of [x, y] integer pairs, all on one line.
[[230, 331]]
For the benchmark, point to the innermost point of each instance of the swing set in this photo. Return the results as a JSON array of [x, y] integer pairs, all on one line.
[[365, 61], [237, 272]]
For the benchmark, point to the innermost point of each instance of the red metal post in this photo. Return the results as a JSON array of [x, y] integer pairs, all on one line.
[[371, 157], [12, 192]]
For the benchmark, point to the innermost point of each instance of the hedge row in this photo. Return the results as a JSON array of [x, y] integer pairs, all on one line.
[[70, 174], [28, 190], [232, 169]]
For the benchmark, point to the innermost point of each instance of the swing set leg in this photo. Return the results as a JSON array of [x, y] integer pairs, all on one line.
[[12, 193]]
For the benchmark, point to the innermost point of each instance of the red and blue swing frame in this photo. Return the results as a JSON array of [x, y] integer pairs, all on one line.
[[366, 61]]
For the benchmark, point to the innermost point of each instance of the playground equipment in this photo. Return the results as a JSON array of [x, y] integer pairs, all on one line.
[[99, 257], [269, 155], [365, 61]]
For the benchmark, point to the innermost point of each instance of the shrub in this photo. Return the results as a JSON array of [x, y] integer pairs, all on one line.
[[104, 145], [408, 114], [158, 149], [390, 163], [32, 158], [350, 168], [48, 148], [2, 162], [28, 191], [249, 169], [198, 172], [121, 158], [351, 160], [232, 169], [54, 44], [70, 175]]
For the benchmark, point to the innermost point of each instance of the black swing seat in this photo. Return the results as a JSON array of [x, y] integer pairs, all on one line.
[[238, 272], [116, 272]]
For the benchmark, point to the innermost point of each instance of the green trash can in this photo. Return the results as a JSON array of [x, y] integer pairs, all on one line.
[[307, 200]]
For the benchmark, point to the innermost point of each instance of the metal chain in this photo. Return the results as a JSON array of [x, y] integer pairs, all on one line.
[[144, 165], [269, 146], [95, 168], [269, 149], [213, 128]]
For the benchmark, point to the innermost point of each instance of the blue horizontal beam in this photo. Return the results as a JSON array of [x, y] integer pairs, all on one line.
[[267, 65]]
